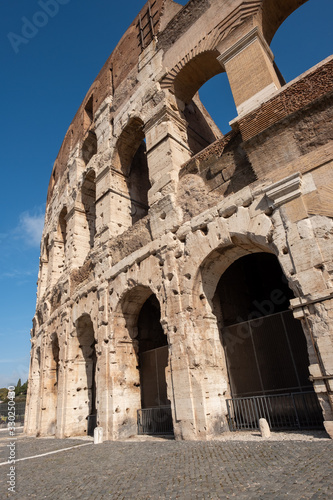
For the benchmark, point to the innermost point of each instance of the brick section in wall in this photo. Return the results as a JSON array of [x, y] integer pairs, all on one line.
[[288, 101]]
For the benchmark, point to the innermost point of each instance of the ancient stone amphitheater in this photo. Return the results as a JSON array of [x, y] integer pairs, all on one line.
[[185, 281]]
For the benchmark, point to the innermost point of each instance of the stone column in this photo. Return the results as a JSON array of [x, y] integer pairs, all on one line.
[[167, 150], [307, 252], [102, 368], [316, 313], [78, 236], [251, 73], [43, 277], [63, 375], [124, 386], [57, 259], [112, 204], [196, 375], [33, 396], [49, 388], [199, 379]]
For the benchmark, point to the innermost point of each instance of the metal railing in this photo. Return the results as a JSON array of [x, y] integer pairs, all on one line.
[[155, 420], [299, 410], [91, 424], [19, 409]]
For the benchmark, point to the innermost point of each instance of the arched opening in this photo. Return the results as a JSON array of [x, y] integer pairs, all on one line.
[[144, 361], [153, 355], [60, 246], [85, 361], [201, 128], [62, 227], [155, 415], [89, 147], [44, 266], [265, 347], [218, 100], [296, 54], [88, 194], [131, 182]]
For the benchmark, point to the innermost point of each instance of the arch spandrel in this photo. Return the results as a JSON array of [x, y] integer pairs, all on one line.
[[272, 14]]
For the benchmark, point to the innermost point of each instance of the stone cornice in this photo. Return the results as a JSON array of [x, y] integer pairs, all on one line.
[[285, 190]]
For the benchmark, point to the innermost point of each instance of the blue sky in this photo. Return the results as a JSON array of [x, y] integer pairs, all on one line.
[[44, 79]]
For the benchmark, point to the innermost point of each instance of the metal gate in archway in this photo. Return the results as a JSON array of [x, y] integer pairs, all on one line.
[[268, 376], [155, 416], [297, 410]]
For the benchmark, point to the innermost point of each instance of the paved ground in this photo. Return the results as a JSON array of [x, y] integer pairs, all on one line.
[[165, 469]]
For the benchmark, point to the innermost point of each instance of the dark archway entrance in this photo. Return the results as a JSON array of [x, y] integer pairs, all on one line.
[[86, 361], [265, 346], [155, 414]]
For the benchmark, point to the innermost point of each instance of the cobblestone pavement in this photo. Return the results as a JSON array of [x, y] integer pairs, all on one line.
[[165, 469]]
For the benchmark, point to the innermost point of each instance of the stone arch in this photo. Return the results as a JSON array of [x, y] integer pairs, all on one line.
[[62, 227], [89, 147], [88, 197], [128, 308], [131, 182], [265, 372], [203, 304], [44, 265], [185, 81], [215, 264], [60, 245], [139, 339], [305, 52], [192, 72], [273, 13], [89, 103]]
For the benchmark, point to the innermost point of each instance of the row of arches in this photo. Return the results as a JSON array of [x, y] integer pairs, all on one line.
[[132, 180], [203, 73], [264, 349]]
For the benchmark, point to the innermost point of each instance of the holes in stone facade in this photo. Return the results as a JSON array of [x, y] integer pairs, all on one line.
[[85, 360], [60, 246]]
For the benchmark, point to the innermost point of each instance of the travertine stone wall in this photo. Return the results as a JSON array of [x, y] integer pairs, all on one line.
[[148, 197]]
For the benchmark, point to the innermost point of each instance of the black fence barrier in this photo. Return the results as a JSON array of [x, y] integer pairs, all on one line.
[[18, 409], [155, 421], [299, 410], [92, 424]]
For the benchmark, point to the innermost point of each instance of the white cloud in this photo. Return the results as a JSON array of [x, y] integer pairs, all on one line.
[[31, 227]]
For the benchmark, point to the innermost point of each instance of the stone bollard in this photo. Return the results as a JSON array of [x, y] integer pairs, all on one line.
[[264, 428], [98, 435]]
